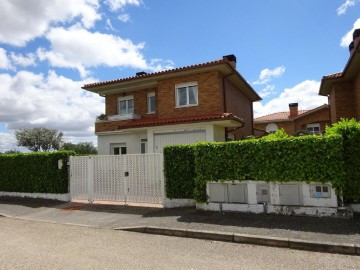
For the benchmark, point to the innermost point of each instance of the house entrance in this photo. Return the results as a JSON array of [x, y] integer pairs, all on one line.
[[119, 178]]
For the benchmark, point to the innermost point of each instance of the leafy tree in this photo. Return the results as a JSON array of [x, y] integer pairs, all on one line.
[[81, 148], [12, 152], [39, 138], [279, 134]]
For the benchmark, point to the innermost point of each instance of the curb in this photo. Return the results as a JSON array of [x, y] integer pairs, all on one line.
[[347, 249]]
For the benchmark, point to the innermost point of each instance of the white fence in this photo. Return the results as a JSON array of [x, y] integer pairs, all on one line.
[[123, 178]]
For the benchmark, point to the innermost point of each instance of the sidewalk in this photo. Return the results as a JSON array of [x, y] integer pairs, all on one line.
[[319, 234]]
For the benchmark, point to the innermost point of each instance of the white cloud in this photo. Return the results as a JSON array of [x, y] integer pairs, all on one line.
[[120, 4], [267, 75], [4, 60], [348, 3], [347, 38], [304, 93], [22, 21], [124, 17], [7, 142], [80, 49], [23, 60], [53, 101], [267, 91]]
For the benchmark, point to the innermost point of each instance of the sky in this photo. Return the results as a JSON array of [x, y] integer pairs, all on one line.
[[50, 48]]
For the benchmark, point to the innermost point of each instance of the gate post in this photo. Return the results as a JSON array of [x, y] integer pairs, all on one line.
[[162, 179], [90, 179]]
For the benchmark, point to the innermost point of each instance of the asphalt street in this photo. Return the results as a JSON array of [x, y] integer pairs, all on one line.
[[28, 244]]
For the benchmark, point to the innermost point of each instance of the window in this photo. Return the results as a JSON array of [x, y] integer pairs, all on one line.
[[143, 146], [126, 105], [118, 149], [187, 94], [320, 191], [313, 128], [271, 128], [151, 102]]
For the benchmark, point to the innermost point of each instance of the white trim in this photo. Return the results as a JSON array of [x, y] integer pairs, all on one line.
[[60, 197], [126, 98]]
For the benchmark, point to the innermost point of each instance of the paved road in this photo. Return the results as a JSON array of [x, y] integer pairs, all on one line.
[[29, 244]]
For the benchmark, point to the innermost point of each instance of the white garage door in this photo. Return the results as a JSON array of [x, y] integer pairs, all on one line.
[[181, 137]]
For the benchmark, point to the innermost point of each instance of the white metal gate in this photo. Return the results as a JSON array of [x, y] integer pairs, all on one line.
[[122, 178]]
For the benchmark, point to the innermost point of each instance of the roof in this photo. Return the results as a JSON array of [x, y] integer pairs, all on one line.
[[147, 122], [285, 116], [351, 69], [152, 74], [150, 80]]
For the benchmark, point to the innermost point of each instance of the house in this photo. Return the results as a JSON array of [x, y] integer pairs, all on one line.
[[203, 102], [343, 88], [295, 121]]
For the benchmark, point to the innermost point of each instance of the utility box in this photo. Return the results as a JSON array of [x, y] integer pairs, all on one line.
[[218, 192], [263, 193], [320, 191], [290, 194], [237, 193]]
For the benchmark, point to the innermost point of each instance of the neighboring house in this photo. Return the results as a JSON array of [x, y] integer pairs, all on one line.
[[295, 121], [343, 88], [203, 102]]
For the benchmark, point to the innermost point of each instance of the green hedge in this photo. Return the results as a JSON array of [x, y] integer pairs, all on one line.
[[34, 172], [307, 158], [349, 130], [179, 171]]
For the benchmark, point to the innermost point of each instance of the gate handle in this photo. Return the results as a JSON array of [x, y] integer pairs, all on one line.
[[126, 174]]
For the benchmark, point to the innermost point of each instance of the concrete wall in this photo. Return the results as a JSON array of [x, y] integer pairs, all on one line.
[[132, 141]]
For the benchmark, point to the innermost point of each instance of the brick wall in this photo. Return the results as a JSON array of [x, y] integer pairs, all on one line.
[[356, 85], [238, 104], [342, 101]]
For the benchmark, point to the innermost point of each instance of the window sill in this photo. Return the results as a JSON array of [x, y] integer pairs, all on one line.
[[186, 106]]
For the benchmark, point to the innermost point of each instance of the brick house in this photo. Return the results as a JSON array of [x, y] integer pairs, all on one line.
[[295, 121], [204, 102], [343, 88]]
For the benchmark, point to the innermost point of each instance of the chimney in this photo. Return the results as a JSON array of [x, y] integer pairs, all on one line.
[[293, 107], [141, 73], [356, 39], [231, 59]]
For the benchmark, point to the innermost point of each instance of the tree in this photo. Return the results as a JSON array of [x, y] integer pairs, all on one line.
[[39, 138], [81, 148]]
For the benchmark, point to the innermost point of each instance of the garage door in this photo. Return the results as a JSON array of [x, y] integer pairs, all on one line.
[[181, 137]]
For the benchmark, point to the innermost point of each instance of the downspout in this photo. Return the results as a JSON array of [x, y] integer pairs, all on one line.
[[224, 97]]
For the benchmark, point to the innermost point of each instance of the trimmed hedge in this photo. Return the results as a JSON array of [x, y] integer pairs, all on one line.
[[307, 158], [349, 130], [179, 171], [34, 172]]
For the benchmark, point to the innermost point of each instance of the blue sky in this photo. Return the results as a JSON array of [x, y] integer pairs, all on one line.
[[49, 49]]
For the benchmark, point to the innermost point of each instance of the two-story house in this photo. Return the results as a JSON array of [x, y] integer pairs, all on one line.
[[204, 102], [343, 88], [295, 121]]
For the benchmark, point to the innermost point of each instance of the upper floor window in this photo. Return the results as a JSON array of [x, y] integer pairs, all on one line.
[[271, 128], [313, 128], [126, 105], [151, 102], [187, 94]]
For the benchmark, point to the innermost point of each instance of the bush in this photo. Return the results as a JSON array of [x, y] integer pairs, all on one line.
[[179, 171], [349, 130], [34, 172]]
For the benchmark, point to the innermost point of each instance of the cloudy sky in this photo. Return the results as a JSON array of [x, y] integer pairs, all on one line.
[[50, 48]]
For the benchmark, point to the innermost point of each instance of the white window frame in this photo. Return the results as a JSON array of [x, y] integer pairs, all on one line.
[[186, 85], [310, 128], [272, 128], [126, 98], [121, 147], [149, 96], [143, 146]]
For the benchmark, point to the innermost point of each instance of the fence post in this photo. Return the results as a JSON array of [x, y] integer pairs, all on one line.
[[90, 179], [162, 178]]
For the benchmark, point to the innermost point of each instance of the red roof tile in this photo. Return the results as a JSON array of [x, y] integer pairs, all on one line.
[[179, 120], [146, 75], [278, 116], [334, 75]]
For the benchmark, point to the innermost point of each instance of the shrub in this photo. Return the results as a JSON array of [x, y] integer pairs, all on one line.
[[34, 172], [179, 171], [349, 130]]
